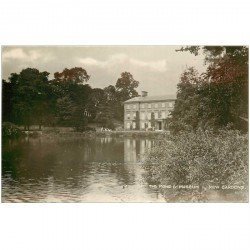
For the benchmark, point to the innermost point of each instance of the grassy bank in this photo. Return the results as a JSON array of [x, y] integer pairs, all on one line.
[[57, 133], [11, 131], [194, 166]]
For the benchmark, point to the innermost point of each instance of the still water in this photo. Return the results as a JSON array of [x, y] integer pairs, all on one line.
[[84, 170]]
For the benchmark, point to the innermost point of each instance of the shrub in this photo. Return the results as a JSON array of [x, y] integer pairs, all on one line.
[[10, 131], [200, 158]]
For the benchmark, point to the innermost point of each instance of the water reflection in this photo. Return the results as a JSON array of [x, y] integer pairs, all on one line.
[[135, 149], [98, 170]]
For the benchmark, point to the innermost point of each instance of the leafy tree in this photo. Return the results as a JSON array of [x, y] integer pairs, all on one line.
[[112, 101], [108, 102], [73, 97], [104, 117], [29, 98], [107, 107], [186, 111], [220, 96], [125, 87], [228, 82], [96, 101], [66, 100], [75, 75], [110, 93], [65, 110], [7, 88]]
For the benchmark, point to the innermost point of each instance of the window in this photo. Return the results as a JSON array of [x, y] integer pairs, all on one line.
[[156, 105], [149, 124], [128, 116], [159, 114], [156, 115], [163, 114], [142, 125], [134, 125], [134, 115], [128, 106], [149, 105], [134, 106], [142, 115], [143, 106], [149, 116], [170, 105], [163, 104], [128, 125]]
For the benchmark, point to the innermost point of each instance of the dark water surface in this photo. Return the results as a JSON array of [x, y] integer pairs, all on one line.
[[84, 170]]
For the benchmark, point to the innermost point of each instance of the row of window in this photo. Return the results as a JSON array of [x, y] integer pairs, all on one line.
[[131, 125], [150, 105], [148, 116], [143, 125]]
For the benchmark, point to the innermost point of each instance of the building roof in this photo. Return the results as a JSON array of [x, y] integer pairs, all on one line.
[[151, 98]]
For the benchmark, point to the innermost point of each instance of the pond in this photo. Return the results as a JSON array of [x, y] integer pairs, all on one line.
[[85, 170]]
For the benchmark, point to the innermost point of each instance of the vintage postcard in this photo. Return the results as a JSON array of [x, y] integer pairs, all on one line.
[[125, 123]]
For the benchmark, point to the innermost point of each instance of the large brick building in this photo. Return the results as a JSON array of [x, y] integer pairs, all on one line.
[[147, 112]]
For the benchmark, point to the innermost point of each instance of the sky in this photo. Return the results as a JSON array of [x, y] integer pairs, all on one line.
[[157, 68]]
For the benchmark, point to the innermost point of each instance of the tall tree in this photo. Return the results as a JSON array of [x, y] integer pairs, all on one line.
[[75, 75], [96, 101], [65, 111], [126, 89], [29, 98], [73, 97], [126, 86], [67, 100], [223, 89], [186, 111], [7, 96]]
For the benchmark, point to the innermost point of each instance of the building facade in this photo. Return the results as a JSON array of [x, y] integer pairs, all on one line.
[[148, 112]]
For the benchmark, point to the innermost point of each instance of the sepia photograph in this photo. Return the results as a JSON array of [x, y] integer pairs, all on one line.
[[161, 124], [124, 125]]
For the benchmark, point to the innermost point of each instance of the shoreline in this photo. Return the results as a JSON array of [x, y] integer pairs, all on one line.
[[93, 134]]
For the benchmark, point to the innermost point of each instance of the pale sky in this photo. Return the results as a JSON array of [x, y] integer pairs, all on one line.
[[157, 68]]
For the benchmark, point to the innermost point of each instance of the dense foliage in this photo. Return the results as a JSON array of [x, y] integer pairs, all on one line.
[[208, 123], [199, 158], [216, 98], [10, 131], [30, 98]]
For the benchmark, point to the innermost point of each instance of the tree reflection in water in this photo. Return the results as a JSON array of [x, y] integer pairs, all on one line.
[[101, 169]]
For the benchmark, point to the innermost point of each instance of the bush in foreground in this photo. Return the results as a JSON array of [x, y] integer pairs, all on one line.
[[199, 159]]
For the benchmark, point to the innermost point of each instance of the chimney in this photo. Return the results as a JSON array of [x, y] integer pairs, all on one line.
[[144, 93]]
